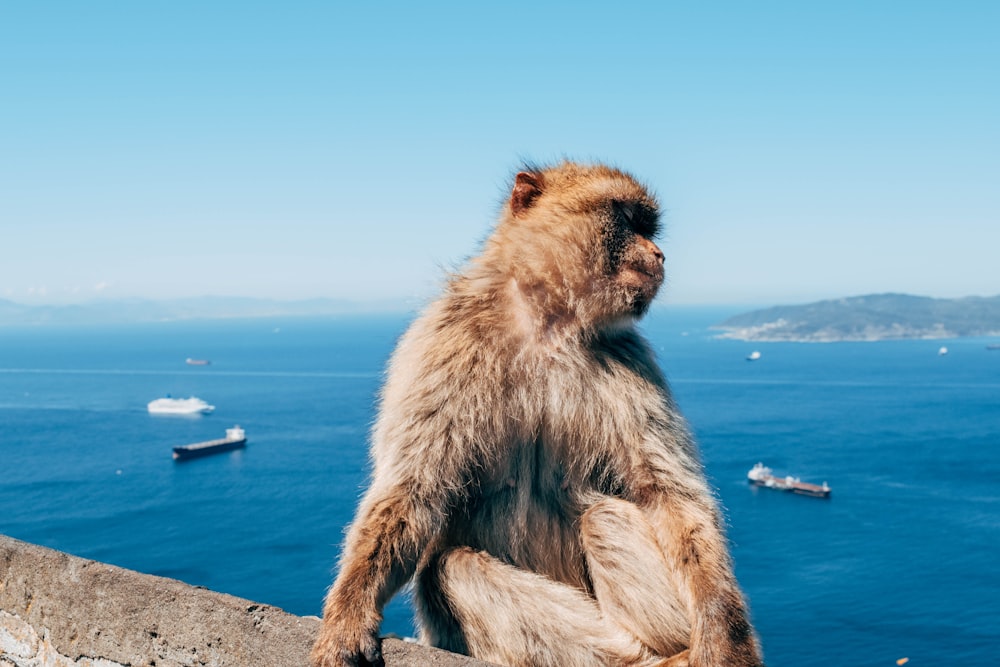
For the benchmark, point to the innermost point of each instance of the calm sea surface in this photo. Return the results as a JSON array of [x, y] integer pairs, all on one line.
[[902, 561]]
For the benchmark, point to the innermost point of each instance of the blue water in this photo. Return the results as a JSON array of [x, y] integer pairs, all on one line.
[[900, 562]]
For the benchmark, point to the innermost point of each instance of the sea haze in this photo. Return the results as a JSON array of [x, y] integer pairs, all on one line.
[[900, 562]]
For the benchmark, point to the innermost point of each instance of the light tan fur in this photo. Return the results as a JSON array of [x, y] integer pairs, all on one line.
[[532, 473]]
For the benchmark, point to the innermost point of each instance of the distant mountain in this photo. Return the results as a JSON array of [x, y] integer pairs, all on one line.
[[200, 308], [871, 317]]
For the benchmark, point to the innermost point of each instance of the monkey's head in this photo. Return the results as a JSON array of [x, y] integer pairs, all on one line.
[[578, 241]]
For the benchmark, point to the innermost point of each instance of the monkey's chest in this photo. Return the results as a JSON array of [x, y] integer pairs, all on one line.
[[526, 513]]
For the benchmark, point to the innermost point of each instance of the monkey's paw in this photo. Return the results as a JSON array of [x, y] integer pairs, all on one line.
[[336, 647]]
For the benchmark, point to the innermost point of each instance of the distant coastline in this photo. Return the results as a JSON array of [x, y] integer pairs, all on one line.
[[871, 317], [860, 318], [137, 311]]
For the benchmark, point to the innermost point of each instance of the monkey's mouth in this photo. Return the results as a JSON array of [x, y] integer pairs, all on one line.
[[653, 273]]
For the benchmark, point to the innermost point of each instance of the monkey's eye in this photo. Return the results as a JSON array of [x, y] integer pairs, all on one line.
[[635, 217], [624, 210]]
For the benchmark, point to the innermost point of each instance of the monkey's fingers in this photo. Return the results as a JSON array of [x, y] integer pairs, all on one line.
[[332, 651], [350, 658], [372, 652]]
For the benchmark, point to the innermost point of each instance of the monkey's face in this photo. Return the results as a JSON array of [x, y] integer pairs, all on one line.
[[583, 234], [632, 262]]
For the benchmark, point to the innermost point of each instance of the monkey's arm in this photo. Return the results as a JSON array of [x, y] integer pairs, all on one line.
[[399, 516], [421, 466], [393, 526]]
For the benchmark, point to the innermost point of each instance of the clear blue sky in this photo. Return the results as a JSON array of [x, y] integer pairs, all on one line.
[[304, 149]]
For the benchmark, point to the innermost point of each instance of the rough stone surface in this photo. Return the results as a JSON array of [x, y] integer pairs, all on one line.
[[58, 610]]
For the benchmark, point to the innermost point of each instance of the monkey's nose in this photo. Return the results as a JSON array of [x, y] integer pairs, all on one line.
[[654, 249]]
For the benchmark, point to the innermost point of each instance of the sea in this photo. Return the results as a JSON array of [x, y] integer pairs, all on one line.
[[900, 562]]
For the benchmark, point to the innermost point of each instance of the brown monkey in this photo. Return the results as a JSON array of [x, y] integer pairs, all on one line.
[[532, 473]]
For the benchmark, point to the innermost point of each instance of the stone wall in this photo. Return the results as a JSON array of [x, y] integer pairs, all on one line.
[[58, 610]]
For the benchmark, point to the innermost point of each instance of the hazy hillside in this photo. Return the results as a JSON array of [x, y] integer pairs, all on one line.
[[871, 317], [209, 307]]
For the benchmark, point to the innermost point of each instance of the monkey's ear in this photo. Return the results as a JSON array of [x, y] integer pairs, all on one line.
[[527, 187]]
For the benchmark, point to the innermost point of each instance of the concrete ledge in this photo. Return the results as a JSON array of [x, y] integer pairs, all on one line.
[[58, 610]]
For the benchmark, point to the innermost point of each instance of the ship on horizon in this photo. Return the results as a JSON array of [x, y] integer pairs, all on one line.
[[235, 439], [760, 475], [179, 406]]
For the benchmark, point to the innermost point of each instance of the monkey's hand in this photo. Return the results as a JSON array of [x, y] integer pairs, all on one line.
[[344, 644]]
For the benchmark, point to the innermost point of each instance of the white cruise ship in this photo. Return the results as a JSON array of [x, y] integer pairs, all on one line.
[[179, 406]]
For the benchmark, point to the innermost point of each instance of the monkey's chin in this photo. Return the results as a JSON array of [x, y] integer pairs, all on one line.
[[639, 291], [634, 305]]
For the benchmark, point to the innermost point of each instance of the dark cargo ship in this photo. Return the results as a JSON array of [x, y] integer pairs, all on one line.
[[760, 475], [235, 439]]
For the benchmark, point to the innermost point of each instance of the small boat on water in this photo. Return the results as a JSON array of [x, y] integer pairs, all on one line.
[[235, 439], [179, 406], [197, 362], [942, 351], [760, 475], [753, 356]]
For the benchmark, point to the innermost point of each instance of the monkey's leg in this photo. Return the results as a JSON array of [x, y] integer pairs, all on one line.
[[696, 551], [473, 602], [631, 577]]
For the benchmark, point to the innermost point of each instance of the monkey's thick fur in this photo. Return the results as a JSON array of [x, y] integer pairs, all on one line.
[[532, 473]]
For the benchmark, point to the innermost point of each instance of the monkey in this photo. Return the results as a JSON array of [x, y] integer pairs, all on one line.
[[532, 475]]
